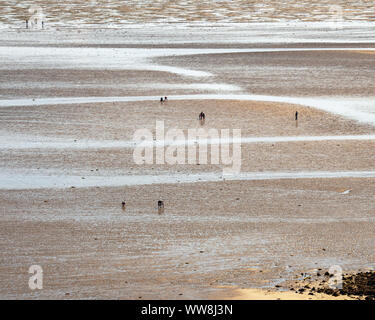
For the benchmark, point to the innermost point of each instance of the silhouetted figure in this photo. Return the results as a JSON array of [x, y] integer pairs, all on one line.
[[123, 204], [42, 24], [202, 118], [27, 24], [160, 207], [161, 101], [296, 117]]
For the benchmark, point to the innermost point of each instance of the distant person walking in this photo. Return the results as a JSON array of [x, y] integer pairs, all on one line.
[[160, 207], [202, 116], [165, 99], [161, 100], [27, 24], [296, 118]]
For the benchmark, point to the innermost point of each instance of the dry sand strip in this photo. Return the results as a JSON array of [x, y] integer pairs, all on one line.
[[347, 107], [355, 286], [259, 294], [263, 294], [20, 181]]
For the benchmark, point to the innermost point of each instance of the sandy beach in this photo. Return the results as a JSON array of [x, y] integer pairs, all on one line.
[[212, 234], [71, 100]]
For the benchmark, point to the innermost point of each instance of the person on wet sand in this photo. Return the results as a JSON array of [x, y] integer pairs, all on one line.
[[161, 100], [27, 24], [202, 118], [160, 207], [296, 116], [123, 204], [165, 99]]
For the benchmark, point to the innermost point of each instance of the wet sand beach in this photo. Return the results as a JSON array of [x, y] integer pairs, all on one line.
[[301, 203], [212, 234], [240, 234]]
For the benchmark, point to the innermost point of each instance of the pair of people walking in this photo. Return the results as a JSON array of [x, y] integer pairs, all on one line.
[[202, 116]]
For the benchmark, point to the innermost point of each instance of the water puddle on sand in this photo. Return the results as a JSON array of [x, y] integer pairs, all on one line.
[[18, 179]]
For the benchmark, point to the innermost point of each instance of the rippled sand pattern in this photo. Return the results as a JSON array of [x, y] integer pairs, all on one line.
[[117, 12]]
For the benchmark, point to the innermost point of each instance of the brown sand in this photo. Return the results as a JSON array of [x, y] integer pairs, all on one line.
[[303, 73], [215, 240], [119, 121], [365, 52], [212, 236]]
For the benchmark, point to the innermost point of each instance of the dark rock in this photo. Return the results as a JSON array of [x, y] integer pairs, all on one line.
[[328, 291]]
